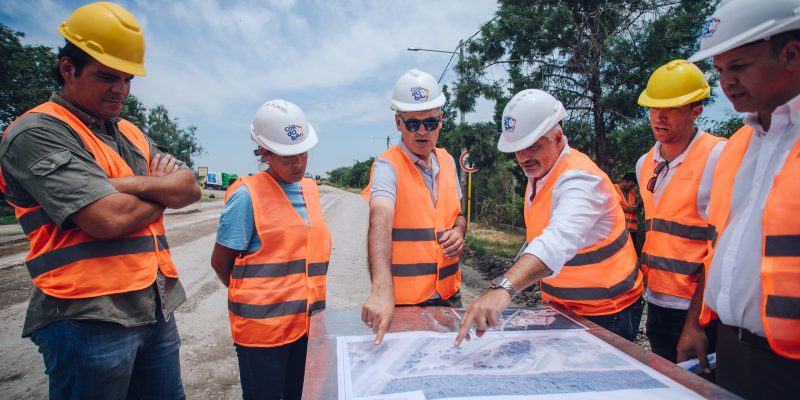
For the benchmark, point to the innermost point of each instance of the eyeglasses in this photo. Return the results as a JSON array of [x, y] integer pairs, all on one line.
[[413, 124], [651, 184]]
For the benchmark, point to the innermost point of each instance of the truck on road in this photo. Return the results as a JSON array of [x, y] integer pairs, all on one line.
[[219, 180]]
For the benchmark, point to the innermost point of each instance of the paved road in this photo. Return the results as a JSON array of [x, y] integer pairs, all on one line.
[[208, 359]]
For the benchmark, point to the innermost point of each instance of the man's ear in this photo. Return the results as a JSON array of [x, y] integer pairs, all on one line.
[[790, 55], [66, 68]]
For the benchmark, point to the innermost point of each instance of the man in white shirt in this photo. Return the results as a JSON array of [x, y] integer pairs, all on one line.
[[675, 177], [579, 247], [752, 273]]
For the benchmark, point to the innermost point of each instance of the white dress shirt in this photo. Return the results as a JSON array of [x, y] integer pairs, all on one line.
[[703, 193], [733, 286], [582, 214]]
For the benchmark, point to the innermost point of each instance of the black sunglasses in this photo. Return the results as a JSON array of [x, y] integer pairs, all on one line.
[[651, 184], [413, 124]]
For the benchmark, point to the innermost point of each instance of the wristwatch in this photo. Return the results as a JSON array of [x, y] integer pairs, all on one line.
[[501, 282]]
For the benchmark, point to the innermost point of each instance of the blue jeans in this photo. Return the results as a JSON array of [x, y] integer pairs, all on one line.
[[89, 359], [624, 323], [273, 372]]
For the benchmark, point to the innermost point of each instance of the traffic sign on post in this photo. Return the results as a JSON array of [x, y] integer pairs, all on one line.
[[464, 162]]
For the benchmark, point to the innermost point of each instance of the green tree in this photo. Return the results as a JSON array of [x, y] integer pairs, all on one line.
[[594, 56], [25, 79], [134, 111], [165, 131]]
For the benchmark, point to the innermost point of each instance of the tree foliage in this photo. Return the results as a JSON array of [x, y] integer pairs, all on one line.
[[593, 55], [25, 79], [165, 130], [355, 176]]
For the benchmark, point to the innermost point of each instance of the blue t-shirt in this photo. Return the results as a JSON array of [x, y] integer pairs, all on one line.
[[237, 227]]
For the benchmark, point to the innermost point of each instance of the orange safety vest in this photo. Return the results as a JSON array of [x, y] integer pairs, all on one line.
[[71, 264], [780, 246], [274, 291], [601, 279], [419, 266], [631, 218], [675, 233]]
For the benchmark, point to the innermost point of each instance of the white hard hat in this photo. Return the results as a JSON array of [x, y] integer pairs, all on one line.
[[739, 22], [528, 116], [281, 127], [417, 91]]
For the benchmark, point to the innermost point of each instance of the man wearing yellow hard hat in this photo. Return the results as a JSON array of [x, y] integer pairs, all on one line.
[[90, 191], [752, 271], [675, 177]]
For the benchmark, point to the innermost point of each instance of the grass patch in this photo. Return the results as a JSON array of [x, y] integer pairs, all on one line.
[[8, 220], [498, 241]]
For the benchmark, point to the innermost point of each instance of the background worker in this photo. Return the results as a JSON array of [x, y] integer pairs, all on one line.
[[676, 174], [753, 269], [272, 253], [627, 200], [416, 229], [579, 246], [90, 190]]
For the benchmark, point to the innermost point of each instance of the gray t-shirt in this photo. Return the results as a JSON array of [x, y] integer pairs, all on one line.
[[384, 177], [44, 162]]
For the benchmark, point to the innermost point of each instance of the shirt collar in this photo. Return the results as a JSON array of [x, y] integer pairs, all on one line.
[[87, 119], [541, 181], [679, 159], [414, 158], [787, 113]]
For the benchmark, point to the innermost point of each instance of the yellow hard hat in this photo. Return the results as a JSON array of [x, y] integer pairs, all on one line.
[[108, 33], [675, 84]]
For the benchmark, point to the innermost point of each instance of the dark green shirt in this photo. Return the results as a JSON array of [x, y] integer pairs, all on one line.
[[44, 162]]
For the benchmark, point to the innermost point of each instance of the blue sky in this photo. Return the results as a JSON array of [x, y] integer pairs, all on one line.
[[212, 63]]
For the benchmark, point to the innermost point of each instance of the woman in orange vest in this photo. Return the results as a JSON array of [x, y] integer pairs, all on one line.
[[627, 194], [272, 253]]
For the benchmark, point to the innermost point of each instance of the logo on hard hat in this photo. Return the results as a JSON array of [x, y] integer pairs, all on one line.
[[509, 123], [294, 131], [419, 93], [709, 27]]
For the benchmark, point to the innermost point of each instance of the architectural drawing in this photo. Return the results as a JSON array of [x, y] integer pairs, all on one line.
[[521, 364]]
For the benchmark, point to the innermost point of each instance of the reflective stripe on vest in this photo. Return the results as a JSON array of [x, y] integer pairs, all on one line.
[[601, 279], [780, 262], [68, 263], [419, 267], [270, 299], [676, 236]]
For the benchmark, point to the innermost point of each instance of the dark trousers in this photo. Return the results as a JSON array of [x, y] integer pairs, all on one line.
[[664, 327], [273, 372], [624, 323], [86, 359], [748, 367]]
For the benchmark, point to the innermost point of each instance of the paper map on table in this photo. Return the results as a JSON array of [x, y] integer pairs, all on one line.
[[535, 364], [533, 318]]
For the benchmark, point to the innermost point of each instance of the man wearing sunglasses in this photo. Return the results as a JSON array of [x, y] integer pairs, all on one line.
[[752, 272], [676, 175], [416, 230], [579, 246]]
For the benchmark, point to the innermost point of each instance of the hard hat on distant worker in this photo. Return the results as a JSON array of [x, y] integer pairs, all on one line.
[[736, 23], [675, 84], [528, 116], [417, 91], [281, 127], [108, 33]]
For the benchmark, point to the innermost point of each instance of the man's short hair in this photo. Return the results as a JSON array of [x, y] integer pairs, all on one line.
[[780, 40], [695, 104], [630, 177], [77, 57]]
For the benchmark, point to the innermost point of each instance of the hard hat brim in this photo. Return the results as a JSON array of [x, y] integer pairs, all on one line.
[[438, 102], [286, 149], [751, 35], [697, 95], [507, 146]]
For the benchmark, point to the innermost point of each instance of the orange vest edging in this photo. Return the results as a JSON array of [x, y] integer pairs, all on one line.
[[71, 264]]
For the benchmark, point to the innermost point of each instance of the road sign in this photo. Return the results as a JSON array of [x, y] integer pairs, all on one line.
[[202, 171], [464, 162]]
